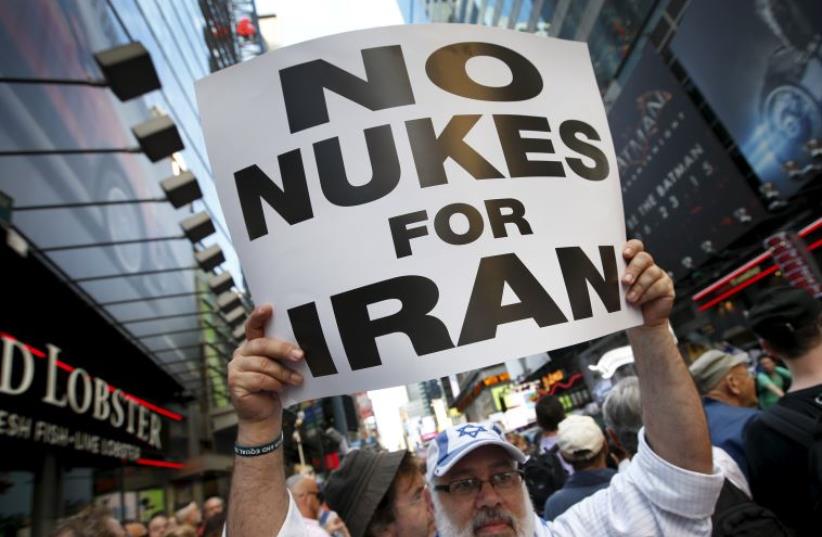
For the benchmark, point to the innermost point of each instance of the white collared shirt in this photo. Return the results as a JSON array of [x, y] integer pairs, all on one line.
[[651, 497], [313, 528]]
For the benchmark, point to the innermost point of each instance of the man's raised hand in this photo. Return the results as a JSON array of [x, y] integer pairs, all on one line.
[[259, 371], [647, 284]]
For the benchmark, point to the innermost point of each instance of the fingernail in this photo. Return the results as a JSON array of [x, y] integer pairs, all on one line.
[[296, 354], [627, 251], [628, 278], [632, 296], [296, 378]]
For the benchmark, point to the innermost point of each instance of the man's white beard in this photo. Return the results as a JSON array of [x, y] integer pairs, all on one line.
[[447, 528]]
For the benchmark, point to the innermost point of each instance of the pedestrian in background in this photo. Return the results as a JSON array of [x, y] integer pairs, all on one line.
[[582, 443], [158, 525], [729, 398], [783, 446], [549, 414], [93, 521], [772, 381], [306, 495]]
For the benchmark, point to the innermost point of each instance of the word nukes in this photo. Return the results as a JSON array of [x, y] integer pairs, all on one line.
[[430, 151], [428, 334], [387, 85]]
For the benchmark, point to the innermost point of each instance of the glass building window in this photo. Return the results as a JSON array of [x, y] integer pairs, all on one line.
[[16, 489]]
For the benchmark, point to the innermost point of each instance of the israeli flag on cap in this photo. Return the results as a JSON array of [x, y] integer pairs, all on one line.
[[456, 442]]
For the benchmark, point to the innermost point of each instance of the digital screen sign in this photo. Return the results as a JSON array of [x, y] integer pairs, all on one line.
[[682, 194], [759, 67]]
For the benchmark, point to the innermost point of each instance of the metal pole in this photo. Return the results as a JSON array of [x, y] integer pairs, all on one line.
[[111, 243], [68, 151], [129, 274], [86, 204]]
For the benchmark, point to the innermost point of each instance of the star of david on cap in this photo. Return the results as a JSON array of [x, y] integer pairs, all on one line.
[[454, 443], [471, 430]]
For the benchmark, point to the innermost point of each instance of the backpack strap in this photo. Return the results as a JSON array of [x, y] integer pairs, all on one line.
[[795, 425]]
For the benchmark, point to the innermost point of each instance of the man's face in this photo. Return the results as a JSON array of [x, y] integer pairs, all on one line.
[[115, 529], [498, 512], [307, 498], [195, 516], [212, 506], [157, 526], [413, 516], [136, 529], [768, 364], [746, 385]]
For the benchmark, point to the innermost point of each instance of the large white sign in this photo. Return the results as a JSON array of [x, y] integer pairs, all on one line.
[[420, 200]]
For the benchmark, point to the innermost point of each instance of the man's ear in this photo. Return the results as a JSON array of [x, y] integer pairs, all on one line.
[[732, 383]]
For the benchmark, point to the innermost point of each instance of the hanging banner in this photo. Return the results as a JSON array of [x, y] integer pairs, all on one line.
[[420, 200]]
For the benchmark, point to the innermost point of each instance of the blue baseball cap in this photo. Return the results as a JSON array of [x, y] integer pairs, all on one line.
[[454, 443]]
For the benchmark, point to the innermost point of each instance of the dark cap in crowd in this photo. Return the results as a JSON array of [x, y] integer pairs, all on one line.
[[356, 488], [782, 309]]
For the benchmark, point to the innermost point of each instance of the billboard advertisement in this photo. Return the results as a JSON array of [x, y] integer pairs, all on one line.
[[682, 194], [759, 67]]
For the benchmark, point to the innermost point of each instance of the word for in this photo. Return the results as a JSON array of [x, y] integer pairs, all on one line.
[[402, 234]]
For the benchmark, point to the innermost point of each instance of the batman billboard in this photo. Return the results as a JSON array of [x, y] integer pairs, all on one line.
[[759, 66], [682, 194]]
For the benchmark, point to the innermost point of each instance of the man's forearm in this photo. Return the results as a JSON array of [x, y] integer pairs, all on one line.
[[675, 424], [259, 503]]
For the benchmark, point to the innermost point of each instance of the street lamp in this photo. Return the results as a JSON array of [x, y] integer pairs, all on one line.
[[209, 258], [158, 137], [181, 189], [197, 226], [220, 283], [128, 70], [228, 301]]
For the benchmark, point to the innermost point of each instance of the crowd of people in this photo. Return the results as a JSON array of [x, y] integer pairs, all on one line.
[[750, 445], [188, 521], [679, 451]]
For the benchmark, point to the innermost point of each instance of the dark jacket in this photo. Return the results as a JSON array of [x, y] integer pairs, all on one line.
[[578, 487]]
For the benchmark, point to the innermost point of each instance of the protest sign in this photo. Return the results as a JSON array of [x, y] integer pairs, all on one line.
[[420, 200]]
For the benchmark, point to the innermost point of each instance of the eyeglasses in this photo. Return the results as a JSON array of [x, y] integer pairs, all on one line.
[[465, 488]]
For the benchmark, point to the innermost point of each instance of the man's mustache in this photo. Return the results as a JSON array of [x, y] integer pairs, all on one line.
[[487, 516]]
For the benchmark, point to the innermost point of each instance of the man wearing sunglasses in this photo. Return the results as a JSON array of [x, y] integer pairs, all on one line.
[[670, 487]]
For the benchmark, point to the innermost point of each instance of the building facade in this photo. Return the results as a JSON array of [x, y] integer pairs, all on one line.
[[115, 252], [716, 116]]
